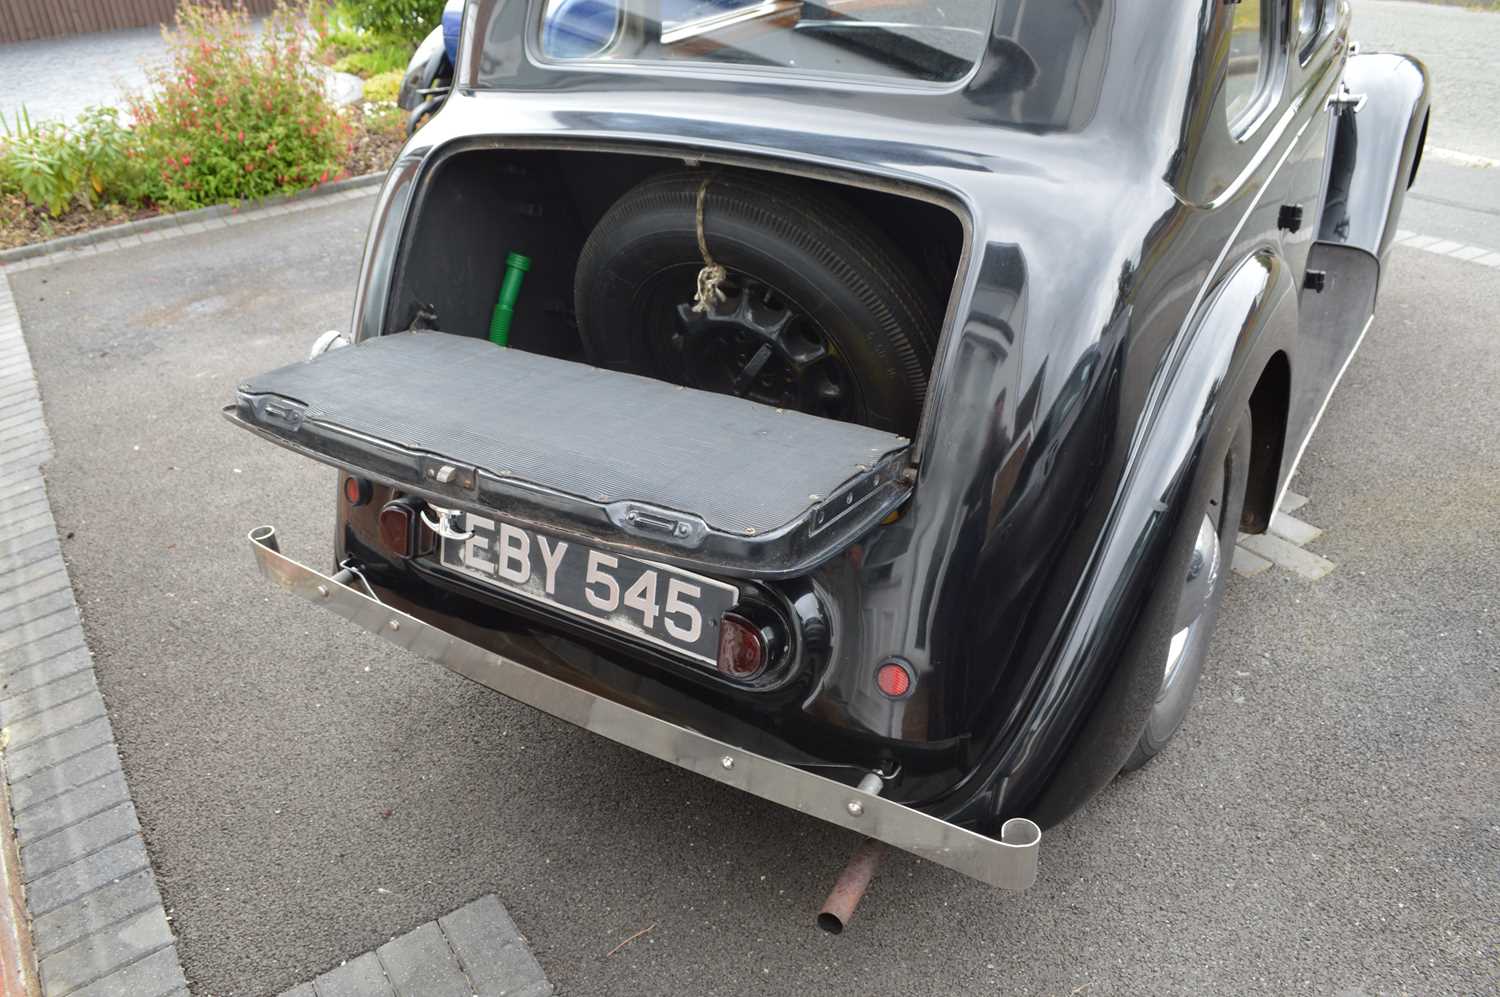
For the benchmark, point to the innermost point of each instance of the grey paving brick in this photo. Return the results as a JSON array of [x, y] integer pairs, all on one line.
[[80, 878], [50, 637], [99, 955], [50, 615], [17, 558], [1289, 556], [540, 989], [15, 604], [77, 773], [24, 524], [154, 976], [22, 437], [19, 484], [490, 949], [30, 564], [57, 667], [32, 759], [71, 843], [1293, 529], [56, 719], [361, 977], [44, 697], [420, 964], [115, 902], [301, 990], [1248, 563], [17, 552]]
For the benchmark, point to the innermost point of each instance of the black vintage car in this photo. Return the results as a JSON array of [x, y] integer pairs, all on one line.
[[854, 402]]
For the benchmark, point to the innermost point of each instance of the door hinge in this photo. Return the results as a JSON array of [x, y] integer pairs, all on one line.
[[1344, 101]]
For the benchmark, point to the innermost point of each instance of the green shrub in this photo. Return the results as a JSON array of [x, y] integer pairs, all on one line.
[[385, 87], [56, 167], [407, 21], [232, 116], [375, 58]]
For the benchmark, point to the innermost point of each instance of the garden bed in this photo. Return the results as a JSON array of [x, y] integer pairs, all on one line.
[[23, 224], [234, 114]]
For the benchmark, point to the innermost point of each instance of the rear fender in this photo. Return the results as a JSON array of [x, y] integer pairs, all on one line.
[[1250, 316], [1376, 144]]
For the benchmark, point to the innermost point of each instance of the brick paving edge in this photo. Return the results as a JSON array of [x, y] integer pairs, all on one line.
[[93, 919], [36, 253], [18, 973]]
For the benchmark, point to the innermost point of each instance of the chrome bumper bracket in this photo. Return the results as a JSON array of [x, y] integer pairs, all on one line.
[[1009, 862]]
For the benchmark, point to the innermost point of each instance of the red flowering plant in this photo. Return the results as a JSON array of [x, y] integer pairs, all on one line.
[[237, 112]]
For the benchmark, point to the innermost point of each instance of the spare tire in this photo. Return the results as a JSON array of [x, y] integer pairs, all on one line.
[[821, 313]]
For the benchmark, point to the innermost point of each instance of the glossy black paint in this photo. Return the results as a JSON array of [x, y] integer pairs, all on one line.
[[1124, 289]]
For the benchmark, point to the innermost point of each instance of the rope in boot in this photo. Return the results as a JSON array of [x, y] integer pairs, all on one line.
[[712, 274]]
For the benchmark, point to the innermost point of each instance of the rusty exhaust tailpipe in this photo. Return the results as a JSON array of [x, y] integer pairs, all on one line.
[[838, 909]]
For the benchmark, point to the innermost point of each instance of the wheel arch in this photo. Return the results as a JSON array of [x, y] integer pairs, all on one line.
[[1240, 343]]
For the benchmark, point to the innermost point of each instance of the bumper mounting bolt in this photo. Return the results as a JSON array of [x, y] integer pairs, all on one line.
[[855, 808], [727, 762], [323, 591], [395, 624]]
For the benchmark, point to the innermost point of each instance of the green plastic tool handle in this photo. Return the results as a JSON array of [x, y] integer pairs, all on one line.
[[516, 266]]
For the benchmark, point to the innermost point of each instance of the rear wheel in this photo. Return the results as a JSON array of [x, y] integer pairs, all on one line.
[[1200, 594], [820, 313]]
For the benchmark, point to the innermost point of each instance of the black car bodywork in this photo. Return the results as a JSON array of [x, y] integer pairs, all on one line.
[[1131, 266]]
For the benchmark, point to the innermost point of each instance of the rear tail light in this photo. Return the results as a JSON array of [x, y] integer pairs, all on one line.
[[742, 648], [402, 531], [397, 522]]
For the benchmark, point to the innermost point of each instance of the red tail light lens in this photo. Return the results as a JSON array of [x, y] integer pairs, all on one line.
[[742, 649], [894, 679], [396, 522]]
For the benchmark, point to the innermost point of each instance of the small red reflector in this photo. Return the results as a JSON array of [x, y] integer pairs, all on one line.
[[742, 650], [893, 679], [356, 491], [395, 528]]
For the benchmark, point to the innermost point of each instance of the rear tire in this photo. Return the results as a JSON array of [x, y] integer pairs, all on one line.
[[822, 314], [1202, 593]]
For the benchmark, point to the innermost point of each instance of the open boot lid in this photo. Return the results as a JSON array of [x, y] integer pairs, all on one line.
[[702, 480]]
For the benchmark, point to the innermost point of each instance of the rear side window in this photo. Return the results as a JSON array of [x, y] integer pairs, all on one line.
[[1247, 62], [1311, 17]]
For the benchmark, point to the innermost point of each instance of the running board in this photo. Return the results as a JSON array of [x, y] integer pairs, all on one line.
[[1009, 863]]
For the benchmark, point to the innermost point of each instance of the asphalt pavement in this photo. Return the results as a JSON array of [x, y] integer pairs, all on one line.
[[1329, 821]]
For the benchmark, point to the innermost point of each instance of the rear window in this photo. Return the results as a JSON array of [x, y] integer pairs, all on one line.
[[905, 39]]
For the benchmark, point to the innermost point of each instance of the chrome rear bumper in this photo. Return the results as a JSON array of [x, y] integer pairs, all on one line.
[[1009, 863]]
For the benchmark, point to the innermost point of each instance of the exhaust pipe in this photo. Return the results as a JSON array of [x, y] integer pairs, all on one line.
[[838, 909]]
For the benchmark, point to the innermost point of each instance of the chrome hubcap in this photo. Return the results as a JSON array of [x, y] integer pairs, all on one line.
[[1197, 590]]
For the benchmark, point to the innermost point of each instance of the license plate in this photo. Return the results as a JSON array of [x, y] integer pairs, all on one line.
[[664, 605]]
